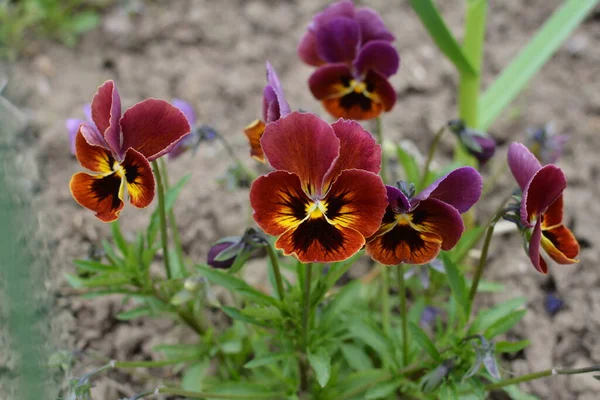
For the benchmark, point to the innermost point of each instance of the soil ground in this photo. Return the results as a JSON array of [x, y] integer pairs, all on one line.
[[212, 54]]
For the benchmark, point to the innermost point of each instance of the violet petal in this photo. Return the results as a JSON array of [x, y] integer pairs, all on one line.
[[378, 56], [338, 40], [522, 163], [460, 188]]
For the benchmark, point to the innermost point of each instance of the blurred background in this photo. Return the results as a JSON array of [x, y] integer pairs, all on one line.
[[211, 53]]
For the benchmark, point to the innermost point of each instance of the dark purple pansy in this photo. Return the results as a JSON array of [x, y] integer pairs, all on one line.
[[413, 231], [352, 48]]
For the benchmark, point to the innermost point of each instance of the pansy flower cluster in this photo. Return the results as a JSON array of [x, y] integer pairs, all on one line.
[[355, 58]]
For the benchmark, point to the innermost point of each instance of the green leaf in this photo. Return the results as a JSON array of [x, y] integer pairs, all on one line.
[[321, 364], [84, 22], [238, 316], [174, 351], [265, 313], [382, 390], [111, 255], [267, 360], [120, 241], [235, 284], [137, 312], [511, 347], [371, 336], [530, 60], [182, 297], [504, 324], [193, 377], [423, 340], [97, 281], [336, 270], [408, 162], [515, 393], [487, 318], [441, 35], [467, 241], [94, 266], [457, 283], [170, 198], [356, 357]]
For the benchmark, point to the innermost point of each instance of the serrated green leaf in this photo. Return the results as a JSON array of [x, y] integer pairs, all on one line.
[[441, 35], [504, 324], [267, 360], [423, 340], [356, 357], [320, 361], [487, 318], [137, 312], [531, 58], [511, 347]]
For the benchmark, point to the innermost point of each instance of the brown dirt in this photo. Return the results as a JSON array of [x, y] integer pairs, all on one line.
[[212, 54]]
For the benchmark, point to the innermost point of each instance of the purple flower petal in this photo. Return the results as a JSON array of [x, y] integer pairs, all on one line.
[[378, 56], [93, 136], [274, 104], [106, 113], [338, 40], [73, 127], [460, 188], [307, 49], [542, 190], [522, 163], [87, 110], [340, 9], [534, 249], [187, 110], [398, 200], [488, 149], [372, 26]]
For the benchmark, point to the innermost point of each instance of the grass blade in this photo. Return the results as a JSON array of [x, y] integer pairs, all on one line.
[[540, 48], [441, 35]]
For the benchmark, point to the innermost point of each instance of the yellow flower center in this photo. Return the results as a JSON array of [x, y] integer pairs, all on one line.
[[403, 219], [316, 209], [118, 168], [359, 87]]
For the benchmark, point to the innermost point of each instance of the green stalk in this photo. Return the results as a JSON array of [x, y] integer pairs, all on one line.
[[302, 361], [403, 314], [150, 364], [541, 374], [163, 217], [432, 150], [172, 220], [276, 270], [385, 299], [469, 87], [206, 395], [480, 266], [384, 161]]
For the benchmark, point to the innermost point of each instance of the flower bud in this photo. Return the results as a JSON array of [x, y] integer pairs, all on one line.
[[478, 144], [222, 255]]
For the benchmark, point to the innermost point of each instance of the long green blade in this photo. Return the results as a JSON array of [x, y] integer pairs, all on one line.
[[441, 35], [529, 61]]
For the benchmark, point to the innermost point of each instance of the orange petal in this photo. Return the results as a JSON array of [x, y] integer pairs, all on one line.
[[101, 194], [316, 240], [560, 244], [554, 214], [435, 216], [403, 244], [357, 199], [94, 158], [139, 179], [254, 132], [278, 201]]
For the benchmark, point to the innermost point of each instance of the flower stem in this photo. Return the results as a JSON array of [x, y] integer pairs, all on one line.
[[302, 362], [384, 161], [150, 364], [163, 217], [172, 220], [204, 395], [276, 270], [249, 173], [385, 299], [481, 265], [541, 374], [432, 150], [403, 314]]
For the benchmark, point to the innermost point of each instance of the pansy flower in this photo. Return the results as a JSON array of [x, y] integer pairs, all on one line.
[[325, 196], [119, 148], [274, 107], [542, 208], [351, 46], [546, 145], [414, 230], [198, 134]]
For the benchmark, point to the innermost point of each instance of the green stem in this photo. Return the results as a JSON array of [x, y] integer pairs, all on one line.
[[403, 314], [172, 220], [249, 173], [276, 270], [469, 87], [480, 266], [385, 299], [204, 395], [150, 364], [302, 362], [519, 379], [432, 150], [384, 162], [163, 217]]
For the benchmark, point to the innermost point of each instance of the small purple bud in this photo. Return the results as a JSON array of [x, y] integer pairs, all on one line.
[[478, 144], [216, 250], [553, 304]]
